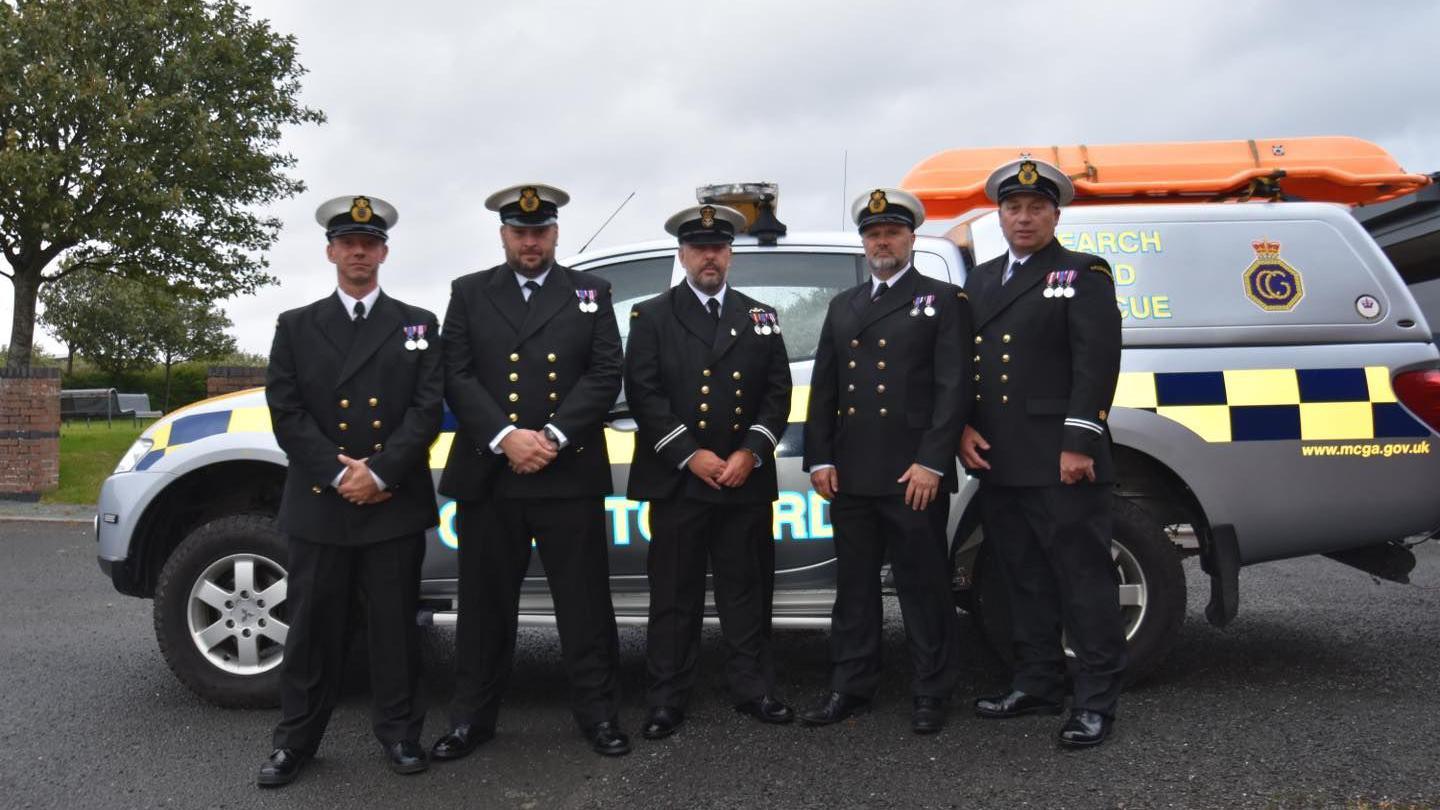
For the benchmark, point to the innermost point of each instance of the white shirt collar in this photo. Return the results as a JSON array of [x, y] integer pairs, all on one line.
[[1011, 258], [349, 302], [876, 283], [705, 297], [540, 279]]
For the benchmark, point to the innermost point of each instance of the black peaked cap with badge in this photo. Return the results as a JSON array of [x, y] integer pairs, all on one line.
[[371, 216], [555, 360], [879, 400], [1046, 348], [335, 386], [693, 383], [528, 205]]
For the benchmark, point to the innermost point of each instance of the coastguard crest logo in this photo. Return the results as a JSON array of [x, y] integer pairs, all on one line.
[[1270, 281], [707, 217], [1028, 174], [529, 200], [878, 203], [360, 209]]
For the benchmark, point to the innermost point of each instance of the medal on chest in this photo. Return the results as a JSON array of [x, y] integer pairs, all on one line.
[[415, 338], [925, 304], [1060, 284], [766, 323], [588, 300]]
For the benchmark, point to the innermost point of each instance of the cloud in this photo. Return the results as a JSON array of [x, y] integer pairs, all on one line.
[[434, 105]]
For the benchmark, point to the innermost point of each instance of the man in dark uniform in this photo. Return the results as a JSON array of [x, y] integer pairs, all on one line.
[[354, 387], [708, 380], [532, 368], [1047, 354], [888, 392]]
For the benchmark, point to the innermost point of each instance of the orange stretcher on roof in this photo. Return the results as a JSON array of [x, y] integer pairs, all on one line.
[[1317, 169]]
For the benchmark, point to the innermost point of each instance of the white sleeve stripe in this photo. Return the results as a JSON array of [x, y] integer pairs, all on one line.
[[1081, 423], [669, 438], [766, 433]]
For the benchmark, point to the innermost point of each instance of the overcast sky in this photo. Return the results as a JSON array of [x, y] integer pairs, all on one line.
[[433, 105]]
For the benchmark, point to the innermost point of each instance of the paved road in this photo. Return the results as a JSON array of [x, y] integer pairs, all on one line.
[[1324, 693]]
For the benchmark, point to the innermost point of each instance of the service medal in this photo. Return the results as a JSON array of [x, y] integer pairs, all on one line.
[[422, 344], [765, 330], [929, 306], [410, 345]]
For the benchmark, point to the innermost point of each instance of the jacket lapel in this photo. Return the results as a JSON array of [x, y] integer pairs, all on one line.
[[691, 315], [504, 294], [334, 323], [899, 296], [1032, 272], [554, 295], [734, 316], [382, 324]]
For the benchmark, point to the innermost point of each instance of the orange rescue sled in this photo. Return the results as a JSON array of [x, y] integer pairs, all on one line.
[[1319, 169]]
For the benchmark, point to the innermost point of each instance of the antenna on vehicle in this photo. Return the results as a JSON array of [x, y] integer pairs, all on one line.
[[606, 222], [844, 186]]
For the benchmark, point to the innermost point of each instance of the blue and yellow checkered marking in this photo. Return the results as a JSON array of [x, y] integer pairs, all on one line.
[[1247, 405], [194, 427]]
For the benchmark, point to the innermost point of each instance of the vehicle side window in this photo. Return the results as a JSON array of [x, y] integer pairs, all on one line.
[[632, 282], [799, 286], [934, 266]]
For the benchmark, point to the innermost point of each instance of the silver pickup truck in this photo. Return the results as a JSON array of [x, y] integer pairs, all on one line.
[[1279, 397]]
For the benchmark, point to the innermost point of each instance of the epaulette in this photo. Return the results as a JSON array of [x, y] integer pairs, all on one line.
[[962, 295], [1100, 267], [634, 313]]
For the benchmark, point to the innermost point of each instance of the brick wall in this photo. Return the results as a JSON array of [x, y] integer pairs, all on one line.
[[228, 379], [29, 432]]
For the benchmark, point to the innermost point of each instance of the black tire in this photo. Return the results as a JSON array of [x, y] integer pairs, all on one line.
[[1151, 631], [204, 553]]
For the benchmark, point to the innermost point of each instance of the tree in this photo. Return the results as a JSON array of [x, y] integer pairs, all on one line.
[[123, 326], [188, 329], [139, 137]]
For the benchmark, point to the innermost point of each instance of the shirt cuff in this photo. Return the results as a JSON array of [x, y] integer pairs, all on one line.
[[818, 467], [379, 482], [495, 442], [559, 434], [335, 482], [686, 462], [931, 469]]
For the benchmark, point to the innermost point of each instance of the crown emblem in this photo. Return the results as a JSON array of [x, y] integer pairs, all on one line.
[[1028, 175], [878, 203], [707, 217], [360, 209], [1265, 249], [529, 200]]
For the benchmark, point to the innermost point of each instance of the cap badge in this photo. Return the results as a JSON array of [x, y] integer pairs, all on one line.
[[878, 203], [529, 200], [1027, 175], [707, 217], [360, 209]]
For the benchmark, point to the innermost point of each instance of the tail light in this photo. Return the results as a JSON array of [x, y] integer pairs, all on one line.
[[1420, 392]]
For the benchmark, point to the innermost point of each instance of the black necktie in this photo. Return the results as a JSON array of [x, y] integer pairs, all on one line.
[[533, 287], [1010, 273], [359, 311], [714, 307], [879, 291]]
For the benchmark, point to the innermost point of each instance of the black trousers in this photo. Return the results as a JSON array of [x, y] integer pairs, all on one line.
[[495, 540], [1053, 544], [323, 578], [738, 541], [864, 528]]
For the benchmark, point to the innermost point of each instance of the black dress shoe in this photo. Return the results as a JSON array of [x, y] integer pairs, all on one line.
[[406, 756], [461, 741], [662, 722], [607, 739], [1084, 729], [766, 709], [281, 768], [836, 707], [1015, 704], [927, 716]]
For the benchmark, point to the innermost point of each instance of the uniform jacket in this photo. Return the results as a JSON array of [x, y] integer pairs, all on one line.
[[690, 385], [890, 389], [1047, 366], [336, 386], [509, 362]]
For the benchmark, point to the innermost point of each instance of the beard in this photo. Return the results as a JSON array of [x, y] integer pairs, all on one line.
[[529, 264], [883, 265], [709, 284]]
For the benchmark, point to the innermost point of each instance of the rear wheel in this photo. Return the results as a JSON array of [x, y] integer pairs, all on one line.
[[220, 610], [1152, 591]]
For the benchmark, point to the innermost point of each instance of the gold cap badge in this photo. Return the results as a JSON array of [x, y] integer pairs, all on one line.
[[529, 200], [360, 209], [707, 217], [1027, 175], [878, 203]]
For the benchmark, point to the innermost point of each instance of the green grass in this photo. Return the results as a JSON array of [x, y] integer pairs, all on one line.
[[88, 454]]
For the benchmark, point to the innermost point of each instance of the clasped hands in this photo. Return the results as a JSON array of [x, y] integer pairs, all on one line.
[[357, 485], [719, 472], [921, 485], [528, 451]]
